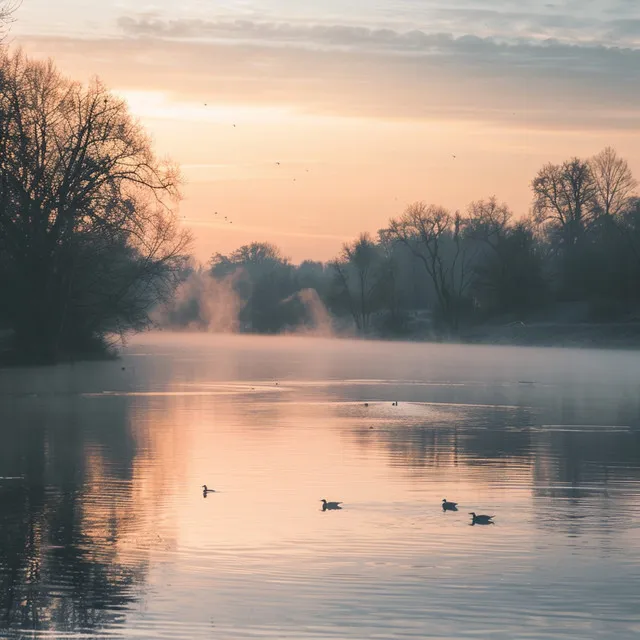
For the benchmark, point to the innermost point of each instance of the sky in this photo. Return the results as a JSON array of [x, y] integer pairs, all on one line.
[[366, 108]]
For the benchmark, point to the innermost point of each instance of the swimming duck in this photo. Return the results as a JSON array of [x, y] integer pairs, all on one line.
[[205, 490], [449, 506], [481, 519], [330, 506]]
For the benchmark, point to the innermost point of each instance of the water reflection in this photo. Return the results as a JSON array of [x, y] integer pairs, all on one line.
[[59, 532], [103, 528]]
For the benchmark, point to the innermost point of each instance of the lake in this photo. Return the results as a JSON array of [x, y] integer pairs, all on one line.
[[105, 532]]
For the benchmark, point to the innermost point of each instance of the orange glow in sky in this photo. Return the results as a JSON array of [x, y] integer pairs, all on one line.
[[363, 114]]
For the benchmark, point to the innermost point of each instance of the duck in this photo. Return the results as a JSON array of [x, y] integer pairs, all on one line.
[[481, 519], [449, 506], [205, 490], [330, 506]]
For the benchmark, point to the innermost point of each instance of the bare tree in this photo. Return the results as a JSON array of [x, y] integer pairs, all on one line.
[[434, 236], [565, 196], [86, 209], [488, 221], [356, 270], [7, 9], [614, 182], [389, 273]]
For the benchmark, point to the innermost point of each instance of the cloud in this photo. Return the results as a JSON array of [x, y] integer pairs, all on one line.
[[505, 26], [623, 29], [491, 55], [491, 25], [369, 72]]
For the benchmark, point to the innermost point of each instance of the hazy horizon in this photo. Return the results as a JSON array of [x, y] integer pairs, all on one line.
[[364, 107], [229, 407]]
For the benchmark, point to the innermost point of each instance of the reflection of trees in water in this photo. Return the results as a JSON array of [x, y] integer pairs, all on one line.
[[59, 562], [576, 465], [494, 433], [564, 463], [579, 476], [571, 456]]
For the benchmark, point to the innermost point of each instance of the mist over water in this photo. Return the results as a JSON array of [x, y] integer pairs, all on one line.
[[104, 531], [213, 305], [202, 303], [319, 322]]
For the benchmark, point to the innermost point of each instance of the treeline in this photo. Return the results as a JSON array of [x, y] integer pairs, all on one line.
[[89, 240], [434, 270], [90, 245]]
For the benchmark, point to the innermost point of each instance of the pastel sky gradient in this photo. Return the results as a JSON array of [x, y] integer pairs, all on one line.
[[364, 106]]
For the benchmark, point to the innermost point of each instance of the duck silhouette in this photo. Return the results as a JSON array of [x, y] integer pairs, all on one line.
[[330, 506], [449, 506], [481, 519], [205, 490]]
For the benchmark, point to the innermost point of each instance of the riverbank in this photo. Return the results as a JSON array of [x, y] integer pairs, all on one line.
[[622, 335], [11, 357]]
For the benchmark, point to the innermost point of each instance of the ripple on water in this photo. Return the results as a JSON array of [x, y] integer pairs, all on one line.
[[104, 532]]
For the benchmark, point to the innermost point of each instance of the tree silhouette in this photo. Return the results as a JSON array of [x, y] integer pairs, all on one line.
[[565, 196], [7, 9], [435, 237], [263, 279], [577, 254], [614, 182], [357, 278], [90, 239]]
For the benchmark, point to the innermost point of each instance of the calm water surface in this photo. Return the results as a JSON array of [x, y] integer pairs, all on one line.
[[105, 533]]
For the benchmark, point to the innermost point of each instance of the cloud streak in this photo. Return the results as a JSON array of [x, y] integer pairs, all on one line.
[[487, 53], [503, 27], [505, 23], [349, 70]]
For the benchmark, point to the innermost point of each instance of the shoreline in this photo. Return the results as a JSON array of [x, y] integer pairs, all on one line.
[[619, 336], [611, 336]]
